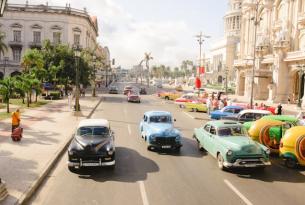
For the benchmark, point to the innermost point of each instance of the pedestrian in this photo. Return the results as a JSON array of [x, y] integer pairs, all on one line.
[[15, 119], [209, 105], [215, 104], [69, 99], [220, 105], [279, 109], [255, 106]]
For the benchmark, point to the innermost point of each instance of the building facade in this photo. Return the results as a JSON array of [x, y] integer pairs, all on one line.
[[223, 52], [27, 26], [277, 41]]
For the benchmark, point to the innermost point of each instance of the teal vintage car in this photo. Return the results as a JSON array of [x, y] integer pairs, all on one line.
[[228, 141]]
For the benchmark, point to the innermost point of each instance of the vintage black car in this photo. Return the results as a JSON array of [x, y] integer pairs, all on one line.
[[92, 145], [143, 91]]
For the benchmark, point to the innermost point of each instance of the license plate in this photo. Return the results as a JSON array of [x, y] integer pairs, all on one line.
[[166, 146], [250, 165], [91, 164]]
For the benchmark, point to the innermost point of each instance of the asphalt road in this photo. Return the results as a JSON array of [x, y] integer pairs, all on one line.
[[149, 178]]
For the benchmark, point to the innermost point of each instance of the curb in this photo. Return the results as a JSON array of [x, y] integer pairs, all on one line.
[[26, 196]]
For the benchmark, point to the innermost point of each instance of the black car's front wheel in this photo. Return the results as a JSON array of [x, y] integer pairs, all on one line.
[[72, 169]]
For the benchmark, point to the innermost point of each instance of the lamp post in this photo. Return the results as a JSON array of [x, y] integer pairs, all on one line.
[[94, 76], [200, 38], [106, 76], [256, 21], [77, 53], [301, 73], [226, 82]]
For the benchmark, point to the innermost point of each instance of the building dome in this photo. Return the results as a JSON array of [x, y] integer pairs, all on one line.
[[232, 19]]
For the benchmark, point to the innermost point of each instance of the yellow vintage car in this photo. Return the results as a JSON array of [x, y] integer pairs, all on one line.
[[292, 147], [196, 106], [170, 95]]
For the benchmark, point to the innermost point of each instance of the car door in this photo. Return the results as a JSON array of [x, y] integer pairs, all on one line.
[[209, 140], [202, 134]]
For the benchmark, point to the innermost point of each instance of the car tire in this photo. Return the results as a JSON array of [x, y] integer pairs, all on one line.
[[72, 169], [290, 163], [166, 98], [200, 147], [220, 162], [149, 148]]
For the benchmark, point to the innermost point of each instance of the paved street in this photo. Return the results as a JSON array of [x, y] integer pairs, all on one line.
[[146, 177]]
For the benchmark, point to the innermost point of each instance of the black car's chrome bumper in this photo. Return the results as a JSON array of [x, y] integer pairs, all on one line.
[[90, 161], [247, 163]]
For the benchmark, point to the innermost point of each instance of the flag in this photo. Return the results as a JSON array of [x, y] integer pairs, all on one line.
[[200, 70]]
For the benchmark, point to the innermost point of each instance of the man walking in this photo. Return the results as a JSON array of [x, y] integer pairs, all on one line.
[[15, 119]]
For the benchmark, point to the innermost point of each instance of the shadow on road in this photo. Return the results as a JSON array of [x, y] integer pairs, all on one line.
[[130, 167]]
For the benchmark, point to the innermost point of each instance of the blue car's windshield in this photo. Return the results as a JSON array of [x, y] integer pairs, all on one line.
[[231, 131], [160, 119], [93, 131]]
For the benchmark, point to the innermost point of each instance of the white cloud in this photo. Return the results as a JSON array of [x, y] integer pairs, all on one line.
[[170, 42]]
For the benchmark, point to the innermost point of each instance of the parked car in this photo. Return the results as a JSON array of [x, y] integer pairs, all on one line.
[[292, 147], [229, 142], [247, 115], [196, 106], [170, 95], [92, 145], [158, 131], [127, 89], [143, 91], [185, 98], [113, 90], [226, 111], [133, 97]]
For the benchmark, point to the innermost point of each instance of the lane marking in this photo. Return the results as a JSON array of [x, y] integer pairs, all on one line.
[[129, 129], [237, 192], [143, 193], [189, 115], [125, 111]]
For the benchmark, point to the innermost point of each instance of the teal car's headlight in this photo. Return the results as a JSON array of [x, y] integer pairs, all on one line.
[[229, 153], [267, 151]]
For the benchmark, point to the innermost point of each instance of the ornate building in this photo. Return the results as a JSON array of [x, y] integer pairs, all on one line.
[[26, 26], [223, 53], [279, 50]]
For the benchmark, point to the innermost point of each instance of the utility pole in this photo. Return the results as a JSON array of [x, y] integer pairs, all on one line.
[[200, 38]]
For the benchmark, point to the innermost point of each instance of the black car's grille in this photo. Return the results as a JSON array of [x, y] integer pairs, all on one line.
[[166, 140]]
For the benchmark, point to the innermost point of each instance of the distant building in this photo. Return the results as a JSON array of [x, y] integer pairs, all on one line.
[[27, 26], [223, 53]]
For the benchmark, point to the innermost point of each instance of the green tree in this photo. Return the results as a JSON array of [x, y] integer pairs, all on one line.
[[7, 90]]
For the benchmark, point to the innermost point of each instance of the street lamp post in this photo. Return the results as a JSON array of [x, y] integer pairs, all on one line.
[[226, 82], [77, 53], [256, 21], [301, 73], [94, 76], [106, 76], [200, 39]]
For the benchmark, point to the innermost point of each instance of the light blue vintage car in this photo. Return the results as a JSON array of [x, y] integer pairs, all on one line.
[[158, 131]]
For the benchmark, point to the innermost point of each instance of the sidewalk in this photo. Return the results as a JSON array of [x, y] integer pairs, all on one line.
[[47, 131]]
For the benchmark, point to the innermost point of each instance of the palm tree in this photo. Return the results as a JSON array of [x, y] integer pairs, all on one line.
[[3, 46], [6, 90]]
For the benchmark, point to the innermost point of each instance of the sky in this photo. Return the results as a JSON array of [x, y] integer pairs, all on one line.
[[164, 28]]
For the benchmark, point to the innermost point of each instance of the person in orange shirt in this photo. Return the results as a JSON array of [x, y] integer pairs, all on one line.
[[15, 119]]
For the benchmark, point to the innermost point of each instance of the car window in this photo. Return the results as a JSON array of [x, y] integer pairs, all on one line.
[[236, 111], [207, 128], [213, 130], [257, 116], [229, 110], [247, 115], [89, 131], [145, 118], [160, 119], [231, 131]]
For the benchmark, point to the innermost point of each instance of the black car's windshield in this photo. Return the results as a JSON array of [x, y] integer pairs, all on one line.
[[231, 131], [160, 119], [93, 131]]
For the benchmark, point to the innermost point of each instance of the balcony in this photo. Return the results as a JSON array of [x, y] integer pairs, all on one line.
[[295, 56], [35, 45], [15, 43]]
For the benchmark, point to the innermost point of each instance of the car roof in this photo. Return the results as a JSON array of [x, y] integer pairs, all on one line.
[[149, 113], [234, 107], [255, 111], [224, 123], [93, 122]]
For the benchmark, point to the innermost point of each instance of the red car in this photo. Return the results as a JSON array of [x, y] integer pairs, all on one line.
[[133, 97], [184, 98]]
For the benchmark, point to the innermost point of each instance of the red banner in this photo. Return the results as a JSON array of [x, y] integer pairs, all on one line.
[[200, 70], [197, 83]]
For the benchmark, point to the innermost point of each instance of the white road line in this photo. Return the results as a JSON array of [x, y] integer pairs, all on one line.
[[125, 111], [143, 193], [237, 192], [129, 129], [189, 115]]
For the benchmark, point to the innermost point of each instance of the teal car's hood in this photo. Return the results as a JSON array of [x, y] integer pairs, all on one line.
[[241, 145]]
